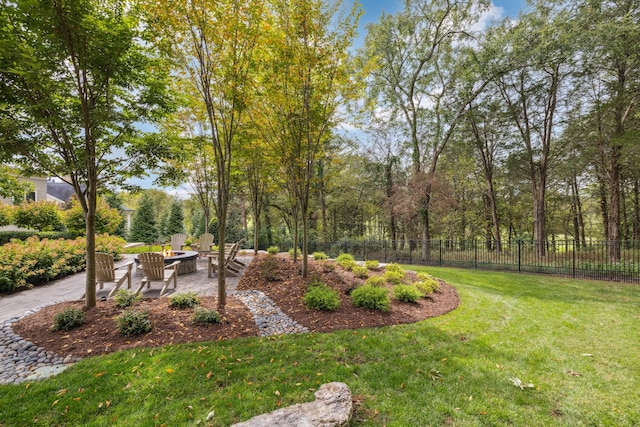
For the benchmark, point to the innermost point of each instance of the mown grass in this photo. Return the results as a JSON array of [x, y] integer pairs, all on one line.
[[575, 341]]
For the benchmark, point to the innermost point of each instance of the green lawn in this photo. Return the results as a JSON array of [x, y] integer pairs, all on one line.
[[577, 342]]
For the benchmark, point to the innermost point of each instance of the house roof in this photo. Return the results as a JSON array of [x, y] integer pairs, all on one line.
[[60, 190]]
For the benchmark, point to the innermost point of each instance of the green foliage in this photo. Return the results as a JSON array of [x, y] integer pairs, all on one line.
[[273, 250], [427, 284], [68, 319], [270, 269], [205, 316], [184, 300], [394, 267], [133, 322], [319, 256], [126, 298], [344, 257], [394, 277], [377, 281], [347, 264], [406, 293], [34, 262], [41, 215], [360, 272], [372, 264], [371, 297], [143, 222], [175, 223], [108, 219], [7, 236], [327, 266], [319, 296], [6, 214], [291, 252]]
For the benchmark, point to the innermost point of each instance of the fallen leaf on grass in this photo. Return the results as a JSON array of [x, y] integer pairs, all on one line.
[[574, 373]]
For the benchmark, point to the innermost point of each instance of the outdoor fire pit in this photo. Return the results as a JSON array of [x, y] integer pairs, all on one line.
[[187, 260]]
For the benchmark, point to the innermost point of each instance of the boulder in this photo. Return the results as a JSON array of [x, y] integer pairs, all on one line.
[[332, 408]]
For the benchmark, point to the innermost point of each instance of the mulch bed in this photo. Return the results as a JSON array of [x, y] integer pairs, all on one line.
[[99, 334]]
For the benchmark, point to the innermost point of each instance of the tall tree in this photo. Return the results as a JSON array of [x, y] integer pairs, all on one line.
[[144, 222], [304, 80], [212, 45], [75, 78], [418, 55]]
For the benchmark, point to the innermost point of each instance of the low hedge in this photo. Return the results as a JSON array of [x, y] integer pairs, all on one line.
[[7, 236], [33, 262]]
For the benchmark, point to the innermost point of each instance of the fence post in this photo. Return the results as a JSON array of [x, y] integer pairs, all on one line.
[[519, 254], [410, 250], [573, 272], [475, 254], [385, 250], [440, 253]]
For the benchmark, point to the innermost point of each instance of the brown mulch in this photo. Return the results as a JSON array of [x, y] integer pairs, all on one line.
[[172, 326]]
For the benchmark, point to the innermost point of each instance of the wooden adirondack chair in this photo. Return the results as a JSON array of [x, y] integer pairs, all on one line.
[[203, 246], [230, 267], [154, 269], [177, 241], [107, 272]]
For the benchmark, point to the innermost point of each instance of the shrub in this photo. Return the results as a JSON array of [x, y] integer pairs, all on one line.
[[270, 269], [406, 293], [184, 300], [6, 214], [273, 250], [360, 272], [347, 264], [125, 298], [133, 322], [343, 257], [371, 297], [427, 285], [394, 277], [372, 264], [319, 296], [205, 316], [327, 266], [108, 219], [377, 281], [41, 215], [319, 256], [68, 319], [394, 267], [291, 252]]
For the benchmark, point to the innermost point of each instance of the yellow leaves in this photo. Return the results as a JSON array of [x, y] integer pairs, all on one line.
[[104, 404], [61, 392], [169, 370], [209, 375], [99, 374]]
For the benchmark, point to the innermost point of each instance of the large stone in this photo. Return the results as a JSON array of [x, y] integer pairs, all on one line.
[[332, 408]]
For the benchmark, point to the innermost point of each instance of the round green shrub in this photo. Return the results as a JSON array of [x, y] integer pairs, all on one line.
[[133, 322], [377, 281], [406, 293], [291, 252], [371, 297], [126, 298], [273, 250], [321, 297], [347, 264], [394, 267], [372, 264], [394, 277], [343, 257], [360, 272], [427, 285], [68, 319], [184, 300], [205, 316], [319, 256]]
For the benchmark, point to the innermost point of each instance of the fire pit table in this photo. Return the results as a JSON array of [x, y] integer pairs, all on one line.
[[187, 260]]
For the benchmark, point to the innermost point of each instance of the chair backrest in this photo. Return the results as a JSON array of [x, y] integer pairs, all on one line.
[[152, 264], [105, 268], [205, 241], [177, 241]]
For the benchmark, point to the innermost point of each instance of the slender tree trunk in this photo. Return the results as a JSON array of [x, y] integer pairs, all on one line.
[[636, 210]]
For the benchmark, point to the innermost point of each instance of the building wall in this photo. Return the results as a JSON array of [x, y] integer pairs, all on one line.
[[39, 189]]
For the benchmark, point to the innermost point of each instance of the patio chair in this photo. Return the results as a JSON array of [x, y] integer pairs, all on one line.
[[230, 268], [177, 241], [107, 272], [203, 245], [154, 269]]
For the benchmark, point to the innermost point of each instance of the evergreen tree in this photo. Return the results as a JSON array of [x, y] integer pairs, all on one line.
[[175, 219], [143, 223]]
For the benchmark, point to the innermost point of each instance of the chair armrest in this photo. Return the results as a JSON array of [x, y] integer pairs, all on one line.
[[172, 265], [126, 264]]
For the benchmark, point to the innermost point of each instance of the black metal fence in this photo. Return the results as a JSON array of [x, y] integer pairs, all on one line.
[[588, 260]]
